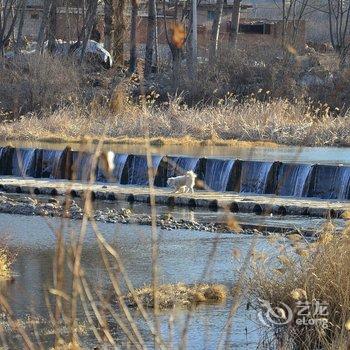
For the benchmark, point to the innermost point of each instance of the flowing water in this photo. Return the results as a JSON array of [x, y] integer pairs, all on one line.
[[293, 180], [245, 176], [119, 163], [254, 176], [33, 240], [184, 255], [23, 162], [217, 174], [179, 165], [344, 189], [82, 165], [50, 160], [137, 169]]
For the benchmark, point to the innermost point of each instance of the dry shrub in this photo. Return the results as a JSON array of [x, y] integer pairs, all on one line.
[[5, 264], [171, 295], [37, 82], [244, 71], [236, 71], [313, 272]]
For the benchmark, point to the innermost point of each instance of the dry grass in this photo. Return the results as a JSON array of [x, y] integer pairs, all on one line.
[[276, 121], [318, 271], [35, 83], [180, 295], [245, 96], [5, 264]]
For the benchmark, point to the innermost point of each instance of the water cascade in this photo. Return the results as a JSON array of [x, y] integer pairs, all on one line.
[[245, 176], [344, 188], [119, 161], [330, 182], [24, 162], [82, 165], [217, 174], [254, 176], [135, 171], [179, 165], [293, 180], [6, 155], [50, 160]]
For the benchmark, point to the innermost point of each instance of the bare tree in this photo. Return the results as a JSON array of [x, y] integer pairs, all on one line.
[[19, 40], [133, 30], [293, 12], [108, 20], [151, 37], [9, 12], [114, 28], [88, 25], [215, 30], [176, 37], [119, 30], [194, 39], [43, 25], [52, 28], [236, 10], [339, 15]]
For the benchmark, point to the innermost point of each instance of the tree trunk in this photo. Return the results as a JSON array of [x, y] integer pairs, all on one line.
[[19, 41], [156, 46], [90, 21], [215, 31], [176, 54], [194, 39], [151, 33], [133, 29], [43, 25], [235, 22], [118, 30], [108, 19], [8, 19], [52, 26]]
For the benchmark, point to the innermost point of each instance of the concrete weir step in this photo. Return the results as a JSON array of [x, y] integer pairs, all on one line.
[[234, 202]]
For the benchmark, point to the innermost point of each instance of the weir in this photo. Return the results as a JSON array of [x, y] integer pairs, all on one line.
[[217, 174], [179, 165], [254, 177], [50, 163], [293, 180], [82, 166], [24, 162], [224, 175], [330, 182], [135, 170]]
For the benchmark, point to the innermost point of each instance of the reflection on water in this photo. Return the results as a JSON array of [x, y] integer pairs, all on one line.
[[183, 256]]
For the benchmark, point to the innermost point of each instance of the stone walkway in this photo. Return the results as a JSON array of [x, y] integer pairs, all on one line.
[[235, 202]]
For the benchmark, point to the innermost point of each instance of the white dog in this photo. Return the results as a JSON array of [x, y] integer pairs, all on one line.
[[184, 183]]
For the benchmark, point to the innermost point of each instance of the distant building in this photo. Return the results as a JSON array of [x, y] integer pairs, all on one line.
[[252, 31]]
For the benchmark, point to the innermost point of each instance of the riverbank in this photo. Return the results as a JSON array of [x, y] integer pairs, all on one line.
[[246, 123]]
